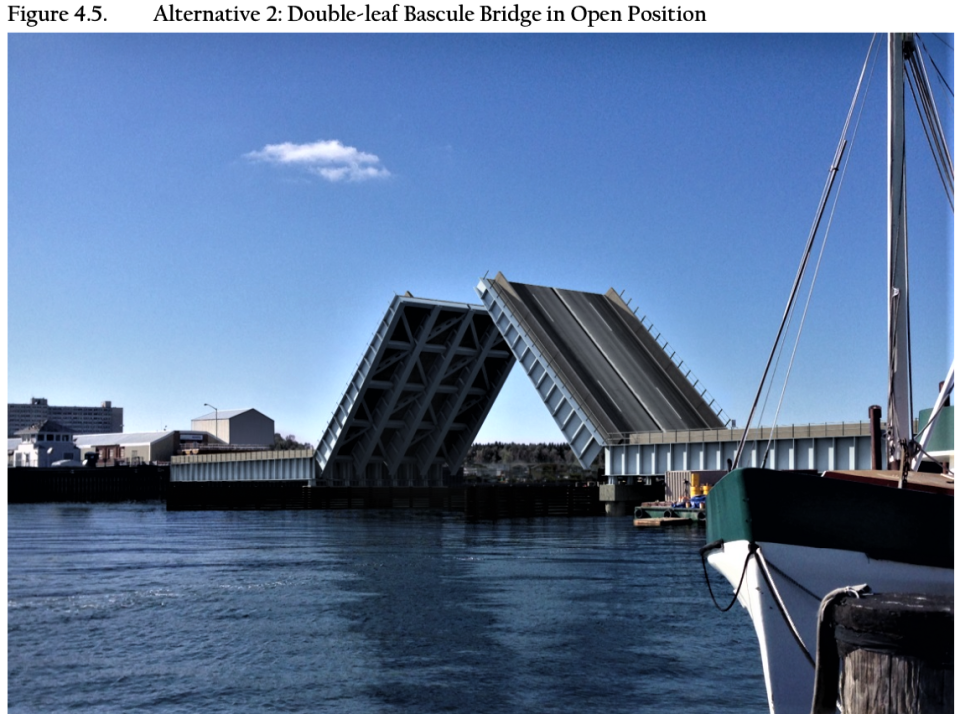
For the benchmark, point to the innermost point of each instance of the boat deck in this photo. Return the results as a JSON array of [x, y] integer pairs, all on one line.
[[916, 480]]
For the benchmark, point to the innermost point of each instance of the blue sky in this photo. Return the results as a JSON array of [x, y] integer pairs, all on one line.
[[224, 219]]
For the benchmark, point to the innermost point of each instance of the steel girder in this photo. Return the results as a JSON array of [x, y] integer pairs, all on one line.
[[418, 398]]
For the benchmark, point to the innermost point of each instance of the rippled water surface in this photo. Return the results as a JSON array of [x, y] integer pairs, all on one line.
[[125, 608]]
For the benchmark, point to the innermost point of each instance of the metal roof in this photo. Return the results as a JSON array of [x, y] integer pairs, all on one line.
[[225, 414], [47, 426], [146, 437]]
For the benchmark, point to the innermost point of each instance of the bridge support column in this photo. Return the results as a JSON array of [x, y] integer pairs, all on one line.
[[621, 499]]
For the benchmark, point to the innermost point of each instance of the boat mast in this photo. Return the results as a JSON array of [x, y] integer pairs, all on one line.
[[900, 402]]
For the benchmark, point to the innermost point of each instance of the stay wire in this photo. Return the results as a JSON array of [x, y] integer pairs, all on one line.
[[943, 80], [816, 272], [808, 248], [940, 37], [921, 101], [753, 551], [919, 83], [793, 293], [934, 118]]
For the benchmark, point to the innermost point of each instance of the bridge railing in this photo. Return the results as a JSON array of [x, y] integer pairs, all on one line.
[[708, 398], [795, 431]]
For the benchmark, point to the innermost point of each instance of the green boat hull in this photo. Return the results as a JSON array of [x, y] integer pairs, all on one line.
[[766, 506]]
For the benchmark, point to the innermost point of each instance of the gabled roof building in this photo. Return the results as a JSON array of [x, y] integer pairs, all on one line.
[[237, 426], [43, 444]]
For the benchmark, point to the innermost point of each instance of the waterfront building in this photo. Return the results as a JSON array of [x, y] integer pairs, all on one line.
[[80, 420], [12, 443], [237, 426], [43, 444], [140, 448]]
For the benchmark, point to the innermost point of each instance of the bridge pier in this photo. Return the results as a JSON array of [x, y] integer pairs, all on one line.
[[621, 499]]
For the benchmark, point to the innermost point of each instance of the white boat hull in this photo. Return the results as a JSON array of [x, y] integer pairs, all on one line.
[[803, 576]]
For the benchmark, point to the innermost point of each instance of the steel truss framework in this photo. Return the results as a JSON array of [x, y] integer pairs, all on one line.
[[419, 396]]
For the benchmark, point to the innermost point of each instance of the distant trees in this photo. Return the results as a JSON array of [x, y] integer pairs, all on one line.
[[539, 462], [288, 443], [500, 453]]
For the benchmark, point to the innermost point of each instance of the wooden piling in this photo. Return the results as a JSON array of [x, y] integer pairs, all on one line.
[[894, 653]]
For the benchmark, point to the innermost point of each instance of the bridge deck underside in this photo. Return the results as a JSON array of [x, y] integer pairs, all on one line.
[[418, 398]]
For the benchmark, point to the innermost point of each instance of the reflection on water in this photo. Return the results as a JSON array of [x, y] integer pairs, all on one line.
[[118, 608]]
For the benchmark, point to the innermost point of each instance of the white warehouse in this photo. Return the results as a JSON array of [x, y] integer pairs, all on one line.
[[237, 426]]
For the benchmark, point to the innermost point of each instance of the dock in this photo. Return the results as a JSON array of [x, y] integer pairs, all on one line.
[[656, 522], [660, 513]]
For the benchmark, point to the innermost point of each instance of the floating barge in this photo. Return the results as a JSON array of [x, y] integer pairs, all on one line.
[[659, 513]]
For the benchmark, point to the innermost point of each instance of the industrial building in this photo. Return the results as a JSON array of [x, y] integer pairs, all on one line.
[[237, 426], [141, 448], [80, 420]]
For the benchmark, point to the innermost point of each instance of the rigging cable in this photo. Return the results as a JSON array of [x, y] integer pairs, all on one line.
[[816, 271], [930, 120], [934, 141], [943, 80], [791, 301], [754, 551], [793, 293]]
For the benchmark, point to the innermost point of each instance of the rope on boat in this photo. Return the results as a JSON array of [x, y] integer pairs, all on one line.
[[826, 678], [783, 608], [753, 551], [793, 582], [752, 548]]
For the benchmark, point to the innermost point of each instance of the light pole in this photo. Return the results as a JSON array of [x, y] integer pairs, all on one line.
[[216, 420]]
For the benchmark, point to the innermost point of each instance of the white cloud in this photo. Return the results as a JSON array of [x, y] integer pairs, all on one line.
[[328, 159]]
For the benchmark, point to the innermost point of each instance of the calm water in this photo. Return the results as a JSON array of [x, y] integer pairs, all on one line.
[[124, 608]]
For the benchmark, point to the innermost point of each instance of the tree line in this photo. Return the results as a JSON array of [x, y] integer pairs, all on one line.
[[499, 452], [496, 452], [288, 443]]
